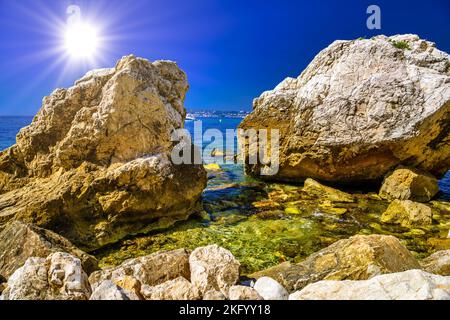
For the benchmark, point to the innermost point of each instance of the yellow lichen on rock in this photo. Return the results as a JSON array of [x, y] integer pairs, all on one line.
[[407, 214]]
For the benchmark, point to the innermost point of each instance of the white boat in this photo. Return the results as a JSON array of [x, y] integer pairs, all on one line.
[[190, 117]]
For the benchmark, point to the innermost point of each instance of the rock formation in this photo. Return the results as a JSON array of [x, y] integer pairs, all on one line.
[[20, 241], [356, 258], [408, 285], [409, 184], [60, 276], [151, 270], [360, 109], [94, 165], [408, 214], [437, 263]]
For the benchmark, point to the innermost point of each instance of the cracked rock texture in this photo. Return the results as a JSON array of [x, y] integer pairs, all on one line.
[[60, 276], [94, 165], [408, 285], [357, 258], [359, 109]]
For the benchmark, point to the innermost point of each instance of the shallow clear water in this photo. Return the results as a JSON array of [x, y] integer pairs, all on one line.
[[264, 224]]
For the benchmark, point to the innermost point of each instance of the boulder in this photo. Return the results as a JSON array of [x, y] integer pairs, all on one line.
[[151, 270], [357, 258], [95, 164], [314, 188], [108, 290], [176, 289], [407, 214], [20, 241], [270, 289], [360, 109], [408, 285], [243, 293], [213, 295], [437, 263], [409, 184], [57, 277], [213, 268]]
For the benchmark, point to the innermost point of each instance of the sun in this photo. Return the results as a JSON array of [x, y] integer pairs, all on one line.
[[81, 40]]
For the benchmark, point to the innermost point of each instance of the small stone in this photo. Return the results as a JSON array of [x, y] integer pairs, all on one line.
[[177, 289], [108, 290], [270, 289], [313, 187], [243, 293], [213, 295]]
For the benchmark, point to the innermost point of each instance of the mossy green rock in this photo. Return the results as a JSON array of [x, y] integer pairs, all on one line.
[[409, 184], [408, 214], [313, 187]]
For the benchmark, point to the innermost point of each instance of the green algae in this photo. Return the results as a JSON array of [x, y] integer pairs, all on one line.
[[265, 224]]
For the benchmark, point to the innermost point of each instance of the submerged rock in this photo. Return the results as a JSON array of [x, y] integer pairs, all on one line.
[[409, 184], [437, 263], [313, 187], [20, 241], [408, 285], [57, 277], [357, 258], [150, 270], [213, 268], [94, 165], [270, 289], [408, 214], [360, 109]]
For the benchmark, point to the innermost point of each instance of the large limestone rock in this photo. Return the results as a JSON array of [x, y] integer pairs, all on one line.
[[20, 241], [57, 277], [408, 214], [150, 270], [213, 268], [94, 165], [176, 289], [437, 263], [360, 109], [408, 285], [357, 258], [409, 184]]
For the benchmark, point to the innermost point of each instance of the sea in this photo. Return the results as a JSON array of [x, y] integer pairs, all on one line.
[[10, 126]]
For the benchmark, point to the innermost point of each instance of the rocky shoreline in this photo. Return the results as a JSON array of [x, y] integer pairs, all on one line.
[[94, 170]]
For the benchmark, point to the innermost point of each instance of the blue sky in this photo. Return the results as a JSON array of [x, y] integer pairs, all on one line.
[[232, 51]]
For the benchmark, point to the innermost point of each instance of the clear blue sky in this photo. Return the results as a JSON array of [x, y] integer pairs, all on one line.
[[231, 50]]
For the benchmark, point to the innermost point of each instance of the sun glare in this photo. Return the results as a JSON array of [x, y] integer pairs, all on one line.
[[81, 40]]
